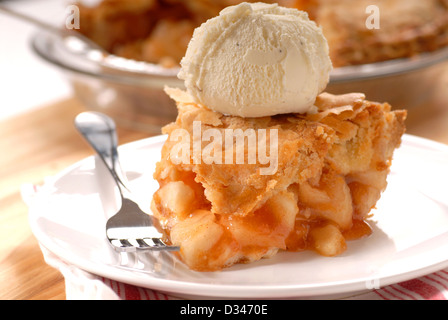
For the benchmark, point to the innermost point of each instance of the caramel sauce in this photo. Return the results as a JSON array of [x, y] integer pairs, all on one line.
[[360, 229], [262, 221], [297, 239]]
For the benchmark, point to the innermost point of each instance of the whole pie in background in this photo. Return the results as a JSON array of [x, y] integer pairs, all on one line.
[[406, 28], [158, 31]]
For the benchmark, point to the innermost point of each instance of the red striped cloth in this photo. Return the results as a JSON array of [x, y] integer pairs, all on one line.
[[430, 287], [125, 291]]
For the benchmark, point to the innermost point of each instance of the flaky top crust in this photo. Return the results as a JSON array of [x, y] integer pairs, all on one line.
[[341, 126]]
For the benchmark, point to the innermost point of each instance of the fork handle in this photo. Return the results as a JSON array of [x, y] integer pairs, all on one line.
[[100, 132]]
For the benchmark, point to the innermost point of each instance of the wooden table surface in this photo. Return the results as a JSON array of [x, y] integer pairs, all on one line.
[[41, 143], [35, 145]]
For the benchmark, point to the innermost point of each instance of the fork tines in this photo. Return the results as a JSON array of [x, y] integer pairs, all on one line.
[[155, 244]]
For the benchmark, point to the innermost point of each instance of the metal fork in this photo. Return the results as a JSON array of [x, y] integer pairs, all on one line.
[[130, 229]]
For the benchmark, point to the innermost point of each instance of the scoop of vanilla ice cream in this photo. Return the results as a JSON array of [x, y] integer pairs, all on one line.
[[256, 60]]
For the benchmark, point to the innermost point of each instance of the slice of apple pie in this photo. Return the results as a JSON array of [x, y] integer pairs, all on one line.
[[325, 173]]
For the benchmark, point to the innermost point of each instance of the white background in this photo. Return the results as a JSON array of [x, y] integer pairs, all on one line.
[[26, 81]]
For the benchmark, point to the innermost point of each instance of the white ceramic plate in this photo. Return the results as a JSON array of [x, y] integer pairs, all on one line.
[[410, 237]]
